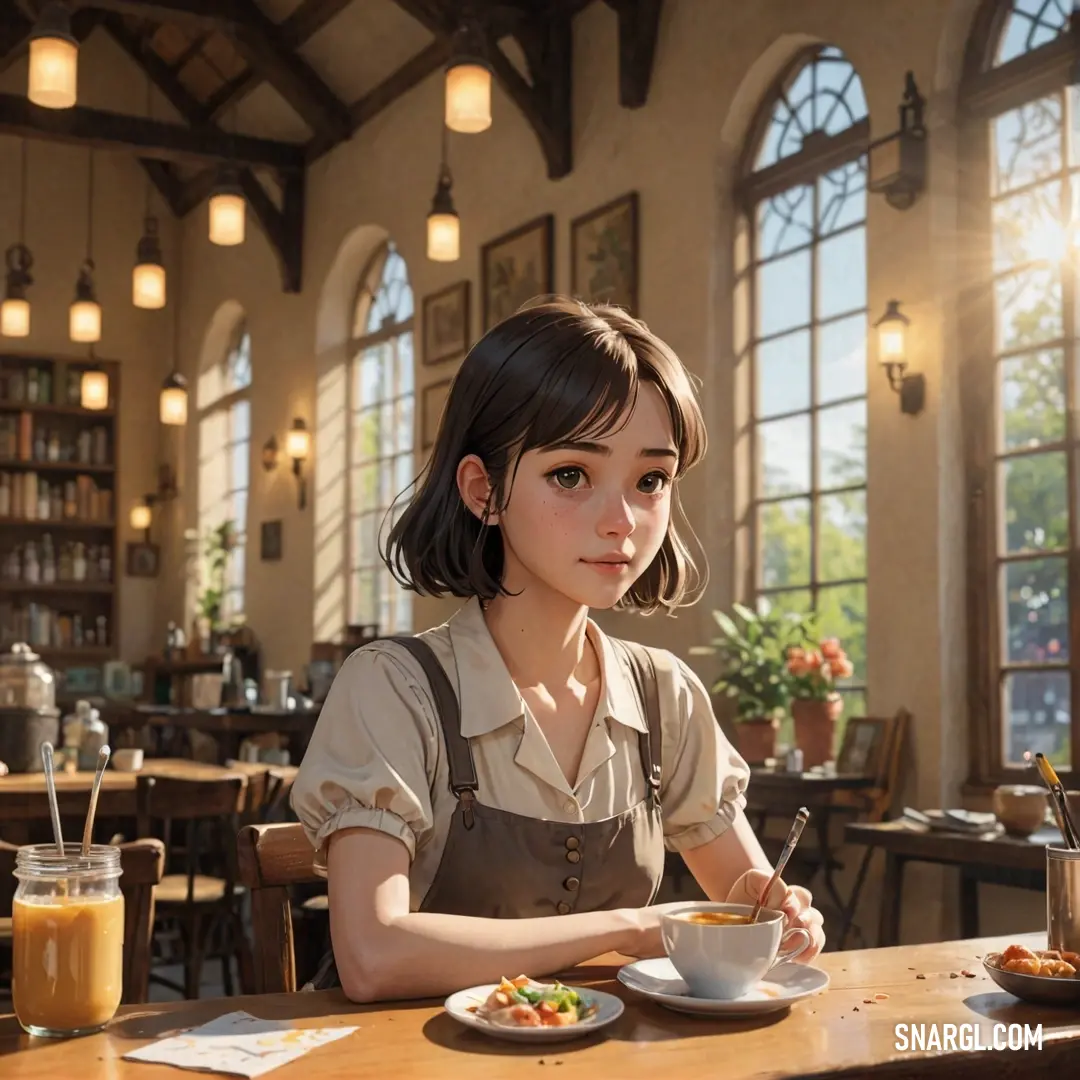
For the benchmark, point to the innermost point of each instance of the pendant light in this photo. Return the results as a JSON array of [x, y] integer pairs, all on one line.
[[94, 387], [173, 399], [15, 309], [54, 59], [148, 276], [443, 223], [84, 317], [227, 209], [468, 82]]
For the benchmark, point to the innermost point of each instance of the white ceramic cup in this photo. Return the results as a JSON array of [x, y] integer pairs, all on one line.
[[723, 961], [127, 759]]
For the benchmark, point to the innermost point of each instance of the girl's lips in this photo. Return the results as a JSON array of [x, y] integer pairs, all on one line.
[[608, 567]]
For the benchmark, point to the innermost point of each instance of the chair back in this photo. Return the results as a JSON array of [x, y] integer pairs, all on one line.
[[271, 859], [142, 863]]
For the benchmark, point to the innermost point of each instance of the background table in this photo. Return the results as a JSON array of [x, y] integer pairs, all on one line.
[[836, 1034]]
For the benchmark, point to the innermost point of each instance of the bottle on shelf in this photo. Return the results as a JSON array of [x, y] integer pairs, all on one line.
[[52, 450], [78, 563], [41, 445], [5, 495], [43, 506], [31, 567], [32, 385], [65, 569], [48, 561]]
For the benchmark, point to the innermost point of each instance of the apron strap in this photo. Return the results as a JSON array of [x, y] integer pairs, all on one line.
[[643, 671], [459, 755]]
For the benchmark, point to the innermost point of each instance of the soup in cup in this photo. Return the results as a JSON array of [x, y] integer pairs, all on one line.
[[720, 954]]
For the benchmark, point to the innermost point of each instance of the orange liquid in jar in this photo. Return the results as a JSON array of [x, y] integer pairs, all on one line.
[[68, 961]]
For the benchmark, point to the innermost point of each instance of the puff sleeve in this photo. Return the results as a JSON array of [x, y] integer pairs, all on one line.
[[372, 754], [705, 785]]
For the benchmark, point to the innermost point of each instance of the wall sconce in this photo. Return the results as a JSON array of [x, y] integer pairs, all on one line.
[[898, 161], [892, 355], [298, 447], [142, 514], [141, 517]]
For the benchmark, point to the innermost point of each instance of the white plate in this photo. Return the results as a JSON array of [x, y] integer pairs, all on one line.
[[609, 1010], [659, 981]]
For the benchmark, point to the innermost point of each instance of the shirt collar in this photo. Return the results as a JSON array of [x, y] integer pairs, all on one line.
[[488, 696]]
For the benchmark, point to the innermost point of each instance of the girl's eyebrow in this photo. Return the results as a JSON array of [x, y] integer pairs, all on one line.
[[600, 448]]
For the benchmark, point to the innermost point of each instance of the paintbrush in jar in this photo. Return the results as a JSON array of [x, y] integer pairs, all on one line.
[[801, 818], [88, 828], [1059, 802]]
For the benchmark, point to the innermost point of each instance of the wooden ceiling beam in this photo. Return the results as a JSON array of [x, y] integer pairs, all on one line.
[[262, 45], [85, 126], [639, 25], [205, 13]]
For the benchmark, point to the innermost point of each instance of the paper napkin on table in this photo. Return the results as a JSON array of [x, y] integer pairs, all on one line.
[[239, 1044]]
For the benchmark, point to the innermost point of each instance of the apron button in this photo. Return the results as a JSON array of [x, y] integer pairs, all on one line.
[[563, 908], [572, 842], [571, 884], [573, 856]]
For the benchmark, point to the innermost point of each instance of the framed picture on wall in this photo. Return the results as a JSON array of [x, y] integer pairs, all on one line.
[[432, 403], [515, 268], [270, 541], [863, 746], [604, 254], [142, 560], [446, 324]]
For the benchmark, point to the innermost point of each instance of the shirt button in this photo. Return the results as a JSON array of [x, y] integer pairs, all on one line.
[[573, 856], [571, 884], [563, 908], [570, 806], [572, 842]]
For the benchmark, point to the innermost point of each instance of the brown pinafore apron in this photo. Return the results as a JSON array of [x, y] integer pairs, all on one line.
[[502, 865]]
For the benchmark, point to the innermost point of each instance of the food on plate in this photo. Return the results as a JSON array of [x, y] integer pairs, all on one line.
[[522, 1002], [1047, 963]]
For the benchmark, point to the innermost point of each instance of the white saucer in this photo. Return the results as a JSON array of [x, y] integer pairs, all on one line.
[[660, 982], [610, 1008]]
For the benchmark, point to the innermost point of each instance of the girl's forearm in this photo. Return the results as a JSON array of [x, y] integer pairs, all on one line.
[[425, 954], [717, 865]]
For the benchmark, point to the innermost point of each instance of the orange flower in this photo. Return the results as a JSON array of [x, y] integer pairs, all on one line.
[[814, 660], [830, 649], [841, 668]]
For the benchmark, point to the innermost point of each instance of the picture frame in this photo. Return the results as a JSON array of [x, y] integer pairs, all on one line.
[[142, 560], [432, 403], [863, 748], [604, 254], [515, 268], [446, 324], [270, 541]]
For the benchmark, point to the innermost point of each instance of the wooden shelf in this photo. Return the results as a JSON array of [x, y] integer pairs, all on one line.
[[91, 588], [56, 410], [89, 653], [57, 466], [56, 523]]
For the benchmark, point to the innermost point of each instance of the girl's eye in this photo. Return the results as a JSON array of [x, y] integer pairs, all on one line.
[[567, 476], [654, 483]]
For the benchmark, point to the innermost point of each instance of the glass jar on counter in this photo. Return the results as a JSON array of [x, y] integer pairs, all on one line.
[[67, 938], [85, 733], [26, 681]]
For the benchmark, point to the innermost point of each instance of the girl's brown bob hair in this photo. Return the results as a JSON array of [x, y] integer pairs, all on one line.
[[560, 370]]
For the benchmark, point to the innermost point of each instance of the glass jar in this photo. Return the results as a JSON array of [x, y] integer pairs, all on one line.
[[26, 681], [67, 938]]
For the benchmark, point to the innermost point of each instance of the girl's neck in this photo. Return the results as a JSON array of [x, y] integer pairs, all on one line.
[[541, 638]]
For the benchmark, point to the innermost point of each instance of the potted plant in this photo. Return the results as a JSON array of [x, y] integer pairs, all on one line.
[[752, 649], [219, 545], [815, 704]]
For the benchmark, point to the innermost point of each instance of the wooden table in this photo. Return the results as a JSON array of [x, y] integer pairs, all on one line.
[[836, 1034], [993, 859], [23, 796]]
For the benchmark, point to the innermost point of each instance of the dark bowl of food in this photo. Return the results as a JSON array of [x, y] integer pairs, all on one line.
[[1039, 976]]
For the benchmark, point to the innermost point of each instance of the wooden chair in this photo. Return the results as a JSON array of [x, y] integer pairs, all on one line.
[[271, 859], [142, 863], [198, 901]]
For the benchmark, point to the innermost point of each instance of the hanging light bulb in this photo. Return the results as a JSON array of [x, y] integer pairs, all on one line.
[[84, 315], [15, 310], [54, 60], [148, 277], [94, 389], [443, 223], [227, 210], [172, 404], [468, 84]]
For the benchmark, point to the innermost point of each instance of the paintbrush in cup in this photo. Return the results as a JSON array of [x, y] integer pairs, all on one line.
[[50, 785], [1059, 802], [801, 818], [88, 828]]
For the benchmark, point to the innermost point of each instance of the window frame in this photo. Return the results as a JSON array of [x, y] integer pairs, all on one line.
[[820, 154], [368, 286], [987, 92]]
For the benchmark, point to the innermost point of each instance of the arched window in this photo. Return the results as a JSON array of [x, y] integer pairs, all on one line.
[[224, 463], [803, 194], [380, 411], [1020, 383]]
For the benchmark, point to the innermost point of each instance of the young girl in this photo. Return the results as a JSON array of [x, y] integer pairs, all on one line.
[[502, 803]]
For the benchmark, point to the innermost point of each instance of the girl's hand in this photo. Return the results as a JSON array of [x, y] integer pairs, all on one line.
[[793, 900]]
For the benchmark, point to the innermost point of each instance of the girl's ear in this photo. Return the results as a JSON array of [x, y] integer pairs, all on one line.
[[475, 487]]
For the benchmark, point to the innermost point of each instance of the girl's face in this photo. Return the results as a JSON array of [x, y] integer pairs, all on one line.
[[586, 519]]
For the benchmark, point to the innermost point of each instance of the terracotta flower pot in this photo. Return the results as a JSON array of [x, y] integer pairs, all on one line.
[[815, 725], [757, 739]]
